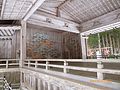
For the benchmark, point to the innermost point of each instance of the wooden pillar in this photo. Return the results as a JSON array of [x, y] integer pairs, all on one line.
[[22, 46], [84, 48], [23, 42]]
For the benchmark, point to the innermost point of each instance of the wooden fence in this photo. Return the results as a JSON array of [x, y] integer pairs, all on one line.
[[9, 63], [100, 70]]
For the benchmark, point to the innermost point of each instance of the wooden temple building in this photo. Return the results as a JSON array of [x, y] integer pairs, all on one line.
[[43, 45]]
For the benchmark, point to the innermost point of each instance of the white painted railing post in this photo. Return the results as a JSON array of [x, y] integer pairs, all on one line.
[[6, 64], [65, 64], [100, 75], [47, 65], [28, 63], [35, 64]]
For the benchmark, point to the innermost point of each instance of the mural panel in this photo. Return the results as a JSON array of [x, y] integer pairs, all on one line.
[[44, 45]]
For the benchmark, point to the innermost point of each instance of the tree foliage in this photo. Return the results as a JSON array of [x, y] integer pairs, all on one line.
[[114, 34]]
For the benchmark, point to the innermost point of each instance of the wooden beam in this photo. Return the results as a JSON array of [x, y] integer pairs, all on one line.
[[33, 9], [55, 24], [10, 27], [58, 18], [102, 29], [5, 37], [58, 8], [107, 19], [9, 70], [63, 4], [3, 7]]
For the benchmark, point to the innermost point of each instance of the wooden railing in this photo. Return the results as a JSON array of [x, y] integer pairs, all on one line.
[[99, 69], [9, 63]]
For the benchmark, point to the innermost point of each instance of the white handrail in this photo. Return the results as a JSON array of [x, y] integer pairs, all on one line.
[[99, 69], [78, 60], [6, 63]]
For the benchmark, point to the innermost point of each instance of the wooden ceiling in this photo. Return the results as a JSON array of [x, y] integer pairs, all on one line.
[[15, 9], [79, 10], [75, 10], [7, 32]]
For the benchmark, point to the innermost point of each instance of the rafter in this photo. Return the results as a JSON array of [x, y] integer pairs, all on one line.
[[63, 4], [107, 19], [58, 8], [3, 7], [33, 9]]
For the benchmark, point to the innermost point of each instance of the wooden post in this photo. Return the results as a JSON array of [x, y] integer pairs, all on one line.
[[99, 74], [84, 48], [22, 42], [47, 65], [28, 63], [65, 69], [35, 64], [6, 63], [22, 46]]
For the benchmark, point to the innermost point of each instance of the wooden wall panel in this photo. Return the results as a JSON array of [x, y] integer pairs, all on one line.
[[46, 43], [71, 45], [43, 43], [9, 48]]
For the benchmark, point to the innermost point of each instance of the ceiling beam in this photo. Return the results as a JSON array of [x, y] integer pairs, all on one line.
[[53, 16], [58, 8], [102, 29], [63, 4], [53, 23], [107, 19], [3, 7], [48, 25], [35, 6]]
